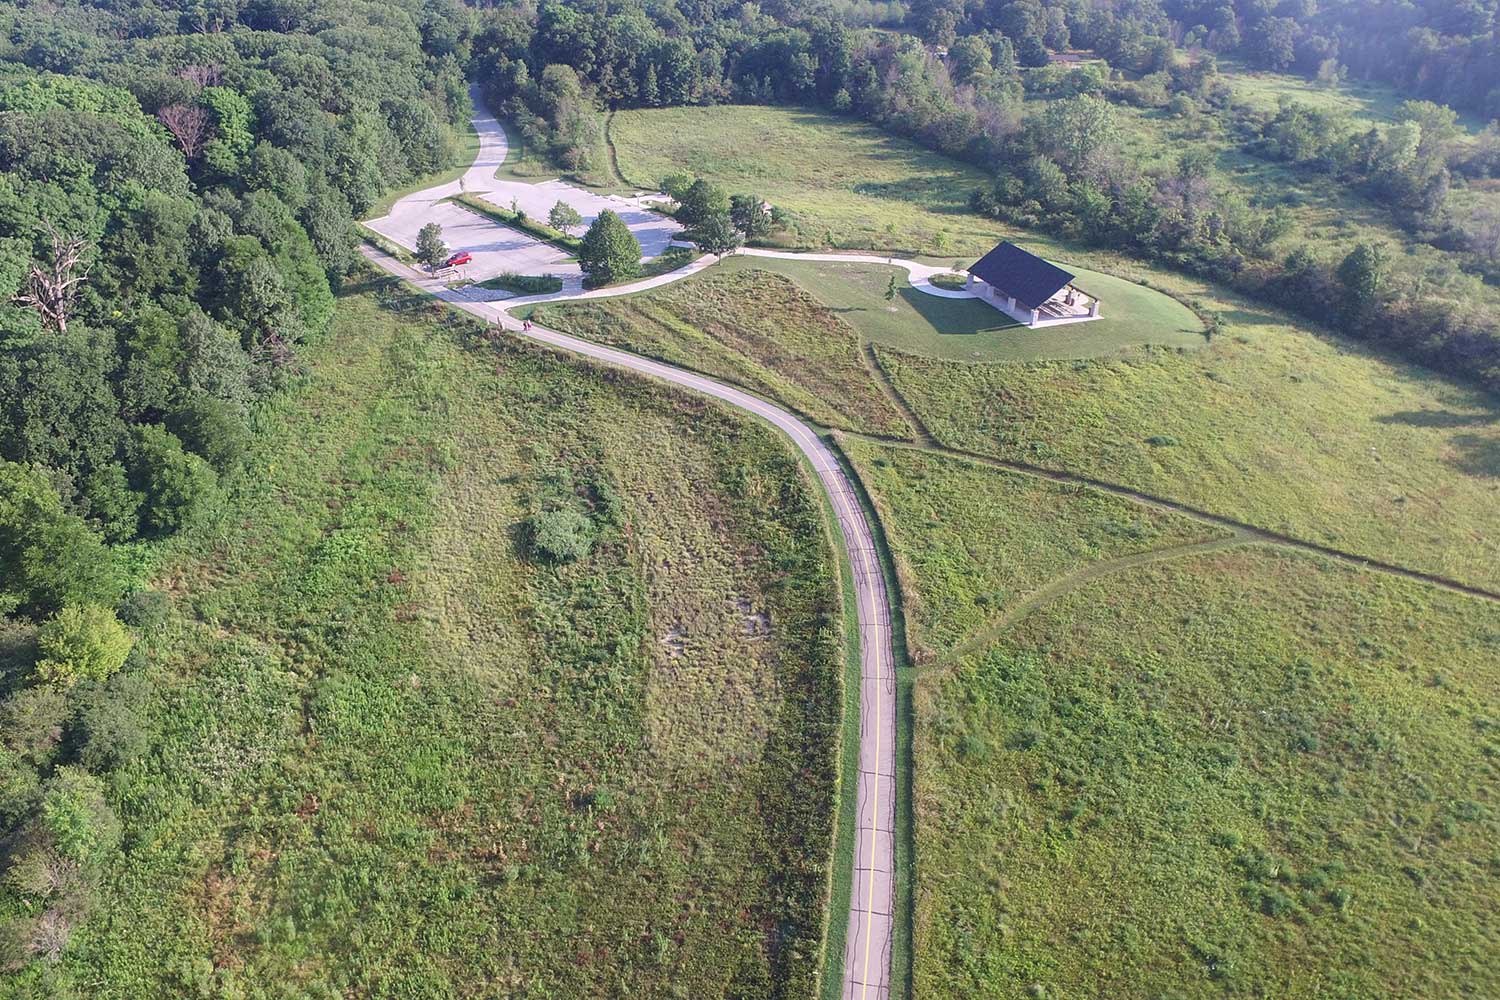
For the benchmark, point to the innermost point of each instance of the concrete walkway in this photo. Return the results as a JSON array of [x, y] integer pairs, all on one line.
[[920, 275], [867, 952]]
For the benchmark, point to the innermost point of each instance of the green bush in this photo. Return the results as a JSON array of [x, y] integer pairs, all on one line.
[[31, 723], [216, 430], [83, 642], [560, 536], [48, 557], [110, 717], [19, 788], [75, 813], [177, 485]]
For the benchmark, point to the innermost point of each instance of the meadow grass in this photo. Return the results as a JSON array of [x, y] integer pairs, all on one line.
[[850, 185], [1239, 774], [395, 751], [1368, 102], [1292, 434], [970, 330], [752, 328], [970, 541], [847, 184]]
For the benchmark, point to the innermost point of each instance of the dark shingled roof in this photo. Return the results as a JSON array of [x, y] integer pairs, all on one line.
[[1025, 275]]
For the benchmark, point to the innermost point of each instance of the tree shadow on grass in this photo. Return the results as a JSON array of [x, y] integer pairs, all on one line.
[[1477, 456], [957, 317], [1247, 317], [1438, 418], [1474, 454]]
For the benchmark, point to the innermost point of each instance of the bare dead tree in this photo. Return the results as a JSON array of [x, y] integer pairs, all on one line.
[[51, 288], [189, 125], [202, 74]]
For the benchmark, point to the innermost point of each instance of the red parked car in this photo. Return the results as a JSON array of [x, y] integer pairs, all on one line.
[[462, 257]]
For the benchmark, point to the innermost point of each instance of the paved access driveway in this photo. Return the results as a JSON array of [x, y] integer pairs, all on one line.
[[461, 232]]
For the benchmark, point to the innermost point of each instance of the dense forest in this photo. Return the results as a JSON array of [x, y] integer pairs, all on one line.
[[177, 190]]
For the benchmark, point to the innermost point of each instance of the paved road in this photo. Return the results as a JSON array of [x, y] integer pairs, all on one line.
[[867, 953]]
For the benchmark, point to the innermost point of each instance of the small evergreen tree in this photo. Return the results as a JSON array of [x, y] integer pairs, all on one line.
[[1362, 273], [609, 251]]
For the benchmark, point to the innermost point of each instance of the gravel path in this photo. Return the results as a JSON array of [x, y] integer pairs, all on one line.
[[867, 952]]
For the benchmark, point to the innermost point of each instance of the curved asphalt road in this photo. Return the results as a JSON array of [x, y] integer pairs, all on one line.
[[867, 950]]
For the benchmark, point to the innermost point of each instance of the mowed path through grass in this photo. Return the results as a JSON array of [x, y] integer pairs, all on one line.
[[1289, 433], [397, 750]]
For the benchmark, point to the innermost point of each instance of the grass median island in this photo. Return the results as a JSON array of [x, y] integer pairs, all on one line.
[[524, 284], [494, 671], [753, 328], [519, 220], [1284, 430], [971, 541], [1239, 774]]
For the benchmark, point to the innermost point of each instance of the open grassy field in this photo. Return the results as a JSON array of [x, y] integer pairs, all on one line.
[[848, 184], [1287, 432], [1238, 774], [969, 330], [755, 329], [970, 541], [1367, 101], [395, 749]]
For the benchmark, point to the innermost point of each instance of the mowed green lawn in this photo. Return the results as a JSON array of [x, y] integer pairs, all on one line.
[[749, 327], [970, 330], [396, 751], [1239, 774]]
